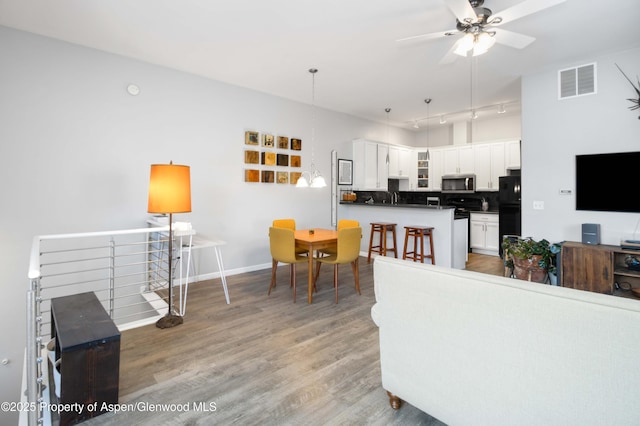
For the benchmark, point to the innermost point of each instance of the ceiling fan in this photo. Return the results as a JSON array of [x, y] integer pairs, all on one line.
[[479, 26]]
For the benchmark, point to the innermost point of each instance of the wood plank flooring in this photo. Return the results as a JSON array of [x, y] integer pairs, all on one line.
[[264, 359]]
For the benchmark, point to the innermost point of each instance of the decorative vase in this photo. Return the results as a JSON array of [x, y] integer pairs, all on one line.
[[529, 270]]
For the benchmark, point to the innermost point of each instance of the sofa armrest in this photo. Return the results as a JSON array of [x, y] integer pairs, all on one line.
[[375, 314]]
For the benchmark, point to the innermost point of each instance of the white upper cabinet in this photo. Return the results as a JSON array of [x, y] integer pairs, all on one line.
[[512, 154], [489, 165], [399, 162], [370, 165], [458, 160], [435, 169]]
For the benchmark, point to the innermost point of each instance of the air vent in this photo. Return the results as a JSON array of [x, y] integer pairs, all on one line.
[[577, 81]]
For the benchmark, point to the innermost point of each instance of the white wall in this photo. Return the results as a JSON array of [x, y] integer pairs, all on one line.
[[76, 151], [554, 131], [491, 128]]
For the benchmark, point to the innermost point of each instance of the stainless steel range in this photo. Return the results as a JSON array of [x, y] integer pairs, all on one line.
[[463, 207]]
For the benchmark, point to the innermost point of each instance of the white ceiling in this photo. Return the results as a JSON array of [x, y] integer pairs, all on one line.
[[268, 45]]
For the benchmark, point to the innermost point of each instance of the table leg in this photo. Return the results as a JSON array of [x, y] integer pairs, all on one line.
[[310, 284], [223, 278]]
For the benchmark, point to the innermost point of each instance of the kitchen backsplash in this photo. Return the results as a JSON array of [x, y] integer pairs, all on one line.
[[420, 197]]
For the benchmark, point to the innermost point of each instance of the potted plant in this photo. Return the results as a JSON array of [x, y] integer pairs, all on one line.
[[529, 259]]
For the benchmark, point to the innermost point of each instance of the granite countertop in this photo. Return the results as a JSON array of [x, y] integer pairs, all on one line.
[[412, 206]]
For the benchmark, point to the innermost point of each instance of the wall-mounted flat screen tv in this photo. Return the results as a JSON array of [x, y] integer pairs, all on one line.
[[608, 182]]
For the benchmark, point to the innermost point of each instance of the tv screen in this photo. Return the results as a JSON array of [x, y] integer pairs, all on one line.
[[608, 182]]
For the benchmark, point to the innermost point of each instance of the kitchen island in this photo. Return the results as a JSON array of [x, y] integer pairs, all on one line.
[[450, 236]]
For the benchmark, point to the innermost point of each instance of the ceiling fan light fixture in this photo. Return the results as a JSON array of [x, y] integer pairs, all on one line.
[[483, 42], [465, 44]]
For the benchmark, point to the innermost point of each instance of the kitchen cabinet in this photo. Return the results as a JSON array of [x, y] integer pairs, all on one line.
[[489, 162], [399, 162], [458, 160], [435, 169], [429, 171], [423, 170], [484, 237], [512, 154], [370, 165]]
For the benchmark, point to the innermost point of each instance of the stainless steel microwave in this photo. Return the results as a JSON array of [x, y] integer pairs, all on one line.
[[459, 183]]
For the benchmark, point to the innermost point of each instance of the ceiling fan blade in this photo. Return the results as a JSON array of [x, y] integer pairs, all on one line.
[[462, 10], [450, 56], [429, 36], [525, 8], [509, 38]]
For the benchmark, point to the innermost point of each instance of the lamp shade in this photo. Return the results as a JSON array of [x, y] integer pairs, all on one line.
[[169, 189]]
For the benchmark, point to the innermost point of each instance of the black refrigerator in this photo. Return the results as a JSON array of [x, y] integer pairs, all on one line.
[[509, 207]]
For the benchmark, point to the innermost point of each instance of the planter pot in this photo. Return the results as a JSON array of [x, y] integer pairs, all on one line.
[[528, 269]]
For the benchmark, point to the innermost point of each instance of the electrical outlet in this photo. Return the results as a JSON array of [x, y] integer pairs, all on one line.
[[565, 192], [538, 205]]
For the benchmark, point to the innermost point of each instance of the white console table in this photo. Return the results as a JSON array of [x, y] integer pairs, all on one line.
[[199, 243], [187, 241]]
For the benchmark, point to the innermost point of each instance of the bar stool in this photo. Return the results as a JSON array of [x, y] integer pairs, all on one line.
[[382, 228], [418, 233]]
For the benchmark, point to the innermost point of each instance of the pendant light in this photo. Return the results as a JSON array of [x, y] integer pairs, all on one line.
[[427, 101], [315, 177]]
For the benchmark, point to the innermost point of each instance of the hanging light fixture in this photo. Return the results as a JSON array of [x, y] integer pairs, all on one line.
[[501, 109], [315, 178], [387, 110], [443, 119], [427, 101]]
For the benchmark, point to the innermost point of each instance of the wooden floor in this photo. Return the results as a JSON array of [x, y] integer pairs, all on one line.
[[263, 359]]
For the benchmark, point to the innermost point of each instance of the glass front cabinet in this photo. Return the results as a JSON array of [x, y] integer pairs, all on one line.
[[423, 170]]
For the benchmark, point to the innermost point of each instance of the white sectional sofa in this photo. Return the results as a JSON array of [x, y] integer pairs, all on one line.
[[475, 349]]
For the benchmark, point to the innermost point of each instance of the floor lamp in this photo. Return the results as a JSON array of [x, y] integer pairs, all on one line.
[[169, 192]]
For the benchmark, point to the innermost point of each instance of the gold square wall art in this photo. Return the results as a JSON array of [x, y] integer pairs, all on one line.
[[251, 138], [251, 157], [282, 177], [267, 141], [269, 158], [283, 142], [293, 177], [251, 175], [283, 160], [267, 176], [296, 144], [296, 161]]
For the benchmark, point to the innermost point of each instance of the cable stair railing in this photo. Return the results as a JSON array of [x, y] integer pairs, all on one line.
[[125, 269]]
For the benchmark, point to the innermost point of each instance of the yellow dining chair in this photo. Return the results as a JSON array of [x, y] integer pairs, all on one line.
[[342, 223], [347, 223], [282, 244], [285, 223], [288, 224], [348, 251]]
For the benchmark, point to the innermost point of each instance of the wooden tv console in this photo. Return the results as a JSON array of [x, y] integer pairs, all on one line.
[[597, 268]]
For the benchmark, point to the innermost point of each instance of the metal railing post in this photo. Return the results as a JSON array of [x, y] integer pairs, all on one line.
[[112, 275], [34, 359]]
